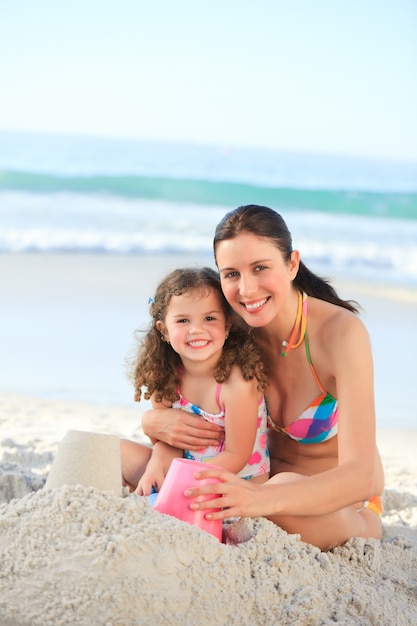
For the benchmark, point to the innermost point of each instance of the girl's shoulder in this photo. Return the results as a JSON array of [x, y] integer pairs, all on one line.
[[237, 388], [236, 378]]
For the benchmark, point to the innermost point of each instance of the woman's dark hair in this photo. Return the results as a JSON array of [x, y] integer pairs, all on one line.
[[267, 223], [156, 366]]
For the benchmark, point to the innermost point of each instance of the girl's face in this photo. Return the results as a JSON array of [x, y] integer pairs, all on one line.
[[255, 279], [195, 325]]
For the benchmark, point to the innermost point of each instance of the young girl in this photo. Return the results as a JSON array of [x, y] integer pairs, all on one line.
[[326, 473], [196, 358]]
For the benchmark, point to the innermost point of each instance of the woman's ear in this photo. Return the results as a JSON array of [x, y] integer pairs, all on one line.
[[294, 263]]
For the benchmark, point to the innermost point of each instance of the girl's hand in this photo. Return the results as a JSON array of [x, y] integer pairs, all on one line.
[[180, 429], [238, 497], [157, 468], [152, 477]]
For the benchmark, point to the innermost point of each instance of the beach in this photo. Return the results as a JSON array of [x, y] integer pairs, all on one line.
[[80, 555], [67, 324]]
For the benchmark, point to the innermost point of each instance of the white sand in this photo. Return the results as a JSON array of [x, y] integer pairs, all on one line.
[[76, 555]]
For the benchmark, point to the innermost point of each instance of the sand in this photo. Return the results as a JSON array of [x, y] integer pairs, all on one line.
[[80, 555], [77, 554]]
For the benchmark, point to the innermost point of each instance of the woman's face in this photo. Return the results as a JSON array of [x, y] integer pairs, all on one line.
[[255, 279]]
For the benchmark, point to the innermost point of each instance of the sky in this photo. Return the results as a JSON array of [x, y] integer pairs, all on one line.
[[319, 76]]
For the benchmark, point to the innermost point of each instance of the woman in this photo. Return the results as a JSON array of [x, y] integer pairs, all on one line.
[[326, 473]]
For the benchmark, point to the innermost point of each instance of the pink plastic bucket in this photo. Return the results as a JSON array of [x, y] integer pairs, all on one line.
[[171, 499]]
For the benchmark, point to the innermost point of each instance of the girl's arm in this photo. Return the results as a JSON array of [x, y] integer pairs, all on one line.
[[157, 468], [161, 406], [160, 460], [240, 399]]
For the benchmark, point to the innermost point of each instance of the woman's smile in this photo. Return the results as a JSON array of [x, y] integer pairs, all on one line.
[[256, 306]]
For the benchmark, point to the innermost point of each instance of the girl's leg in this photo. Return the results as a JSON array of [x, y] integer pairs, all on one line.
[[135, 457], [328, 531]]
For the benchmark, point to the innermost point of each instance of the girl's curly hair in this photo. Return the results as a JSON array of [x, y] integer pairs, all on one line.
[[156, 365]]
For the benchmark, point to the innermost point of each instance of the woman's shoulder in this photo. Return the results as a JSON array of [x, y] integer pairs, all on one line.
[[334, 324], [339, 341], [325, 313]]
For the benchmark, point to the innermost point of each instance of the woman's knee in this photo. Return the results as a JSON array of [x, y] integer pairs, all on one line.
[[286, 477], [333, 529]]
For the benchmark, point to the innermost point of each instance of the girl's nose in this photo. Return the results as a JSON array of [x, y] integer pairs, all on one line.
[[195, 329]]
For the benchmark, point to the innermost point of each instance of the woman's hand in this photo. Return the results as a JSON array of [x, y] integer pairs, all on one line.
[[181, 429], [238, 497]]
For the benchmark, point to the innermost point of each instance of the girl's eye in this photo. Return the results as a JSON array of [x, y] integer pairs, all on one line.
[[210, 318], [259, 268], [182, 321]]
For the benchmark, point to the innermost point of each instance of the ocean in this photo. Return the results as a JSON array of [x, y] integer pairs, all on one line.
[[354, 218], [111, 208]]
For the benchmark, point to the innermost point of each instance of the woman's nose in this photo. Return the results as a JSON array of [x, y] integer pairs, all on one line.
[[247, 285]]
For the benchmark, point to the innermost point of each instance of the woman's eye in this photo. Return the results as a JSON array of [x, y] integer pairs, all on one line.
[[230, 275], [259, 268]]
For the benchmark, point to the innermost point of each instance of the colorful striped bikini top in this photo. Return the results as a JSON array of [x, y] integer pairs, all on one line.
[[318, 422]]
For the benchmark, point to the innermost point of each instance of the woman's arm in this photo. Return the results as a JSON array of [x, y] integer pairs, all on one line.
[[345, 348], [180, 429], [353, 479]]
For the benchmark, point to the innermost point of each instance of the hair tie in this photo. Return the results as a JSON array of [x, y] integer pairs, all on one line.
[[151, 300]]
